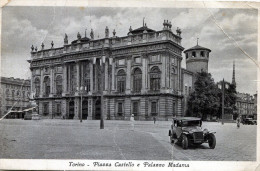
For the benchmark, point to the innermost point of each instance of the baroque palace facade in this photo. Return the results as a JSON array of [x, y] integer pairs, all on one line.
[[137, 74]]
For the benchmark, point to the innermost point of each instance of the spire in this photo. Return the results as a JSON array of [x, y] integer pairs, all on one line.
[[143, 21], [197, 41], [233, 76]]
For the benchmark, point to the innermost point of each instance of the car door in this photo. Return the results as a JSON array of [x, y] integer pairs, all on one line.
[[178, 129]]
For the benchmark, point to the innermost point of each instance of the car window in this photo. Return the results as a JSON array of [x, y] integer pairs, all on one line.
[[190, 123]]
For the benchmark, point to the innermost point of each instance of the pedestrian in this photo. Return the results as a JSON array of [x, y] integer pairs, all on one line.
[[132, 119], [154, 119], [238, 122]]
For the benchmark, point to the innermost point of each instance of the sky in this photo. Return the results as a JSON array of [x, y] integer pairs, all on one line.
[[229, 33]]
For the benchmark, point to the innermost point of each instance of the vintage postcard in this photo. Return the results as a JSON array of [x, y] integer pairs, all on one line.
[[136, 85]]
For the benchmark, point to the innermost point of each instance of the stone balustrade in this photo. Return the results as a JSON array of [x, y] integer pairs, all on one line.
[[112, 42]]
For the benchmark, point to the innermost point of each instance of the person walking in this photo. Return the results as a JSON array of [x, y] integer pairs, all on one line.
[[238, 121], [132, 119], [154, 119]]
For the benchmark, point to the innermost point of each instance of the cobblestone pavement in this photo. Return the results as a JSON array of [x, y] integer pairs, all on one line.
[[70, 139]]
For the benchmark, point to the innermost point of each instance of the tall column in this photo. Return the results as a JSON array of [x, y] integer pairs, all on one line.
[[91, 76], [106, 76], [144, 75], [32, 84], [113, 76], [41, 88], [51, 81], [77, 74], [128, 76], [64, 78], [163, 72]]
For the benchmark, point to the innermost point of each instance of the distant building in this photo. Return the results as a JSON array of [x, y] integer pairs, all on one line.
[[14, 95], [246, 104]]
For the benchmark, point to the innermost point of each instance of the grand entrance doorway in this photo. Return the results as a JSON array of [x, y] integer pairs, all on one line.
[[71, 110], [97, 109], [85, 109]]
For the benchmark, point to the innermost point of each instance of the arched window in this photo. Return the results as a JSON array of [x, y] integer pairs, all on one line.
[[155, 78], [18, 93], [121, 80], [137, 80], [7, 93], [59, 85], [47, 86], [37, 87], [13, 93]]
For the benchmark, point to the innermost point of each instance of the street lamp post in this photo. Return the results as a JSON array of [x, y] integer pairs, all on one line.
[[102, 61], [81, 90], [223, 95]]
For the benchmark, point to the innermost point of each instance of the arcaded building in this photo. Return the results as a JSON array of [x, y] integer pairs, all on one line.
[[14, 96], [138, 74]]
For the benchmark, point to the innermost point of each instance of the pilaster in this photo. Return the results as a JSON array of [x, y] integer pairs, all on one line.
[[76, 107], [91, 76], [77, 76], [128, 76], [90, 109], [63, 108], [144, 75], [113, 76], [64, 78], [41, 83], [106, 76], [51, 81]]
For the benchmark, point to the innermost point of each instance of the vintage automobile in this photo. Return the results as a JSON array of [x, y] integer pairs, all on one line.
[[187, 131], [249, 121]]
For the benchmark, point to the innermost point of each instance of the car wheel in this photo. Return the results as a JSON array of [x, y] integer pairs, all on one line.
[[184, 142], [212, 141], [171, 140]]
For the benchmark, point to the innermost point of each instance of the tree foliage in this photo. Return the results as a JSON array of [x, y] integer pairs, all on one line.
[[204, 100]]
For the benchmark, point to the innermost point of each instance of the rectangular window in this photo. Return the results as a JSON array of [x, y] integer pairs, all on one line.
[[58, 109], [193, 54], [135, 108], [120, 109], [45, 108], [121, 62], [155, 58], [202, 54], [154, 108], [137, 60]]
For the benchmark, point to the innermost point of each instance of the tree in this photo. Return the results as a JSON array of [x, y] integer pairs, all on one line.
[[229, 100], [204, 100]]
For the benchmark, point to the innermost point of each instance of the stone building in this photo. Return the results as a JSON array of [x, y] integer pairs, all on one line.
[[14, 95], [137, 74], [246, 104]]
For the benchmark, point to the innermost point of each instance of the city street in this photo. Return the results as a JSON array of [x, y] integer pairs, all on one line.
[[70, 139]]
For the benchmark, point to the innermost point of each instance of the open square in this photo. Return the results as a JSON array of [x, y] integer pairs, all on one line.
[[70, 139]]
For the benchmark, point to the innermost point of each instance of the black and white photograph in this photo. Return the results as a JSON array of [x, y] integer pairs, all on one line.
[[124, 86]]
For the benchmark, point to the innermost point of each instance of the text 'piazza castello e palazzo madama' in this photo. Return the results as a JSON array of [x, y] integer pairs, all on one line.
[[137, 74]]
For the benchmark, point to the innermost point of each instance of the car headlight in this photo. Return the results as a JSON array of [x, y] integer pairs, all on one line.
[[205, 131]]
